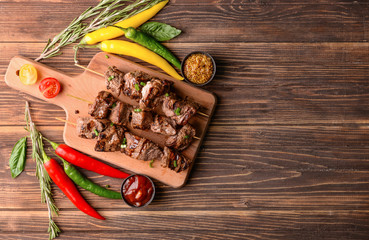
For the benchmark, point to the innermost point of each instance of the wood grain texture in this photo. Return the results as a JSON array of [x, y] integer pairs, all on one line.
[[262, 21], [286, 154]]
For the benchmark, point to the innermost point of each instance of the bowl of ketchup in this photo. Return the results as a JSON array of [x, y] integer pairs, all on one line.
[[138, 190]]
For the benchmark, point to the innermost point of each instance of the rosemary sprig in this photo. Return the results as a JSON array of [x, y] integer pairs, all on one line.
[[41, 174], [105, 13]]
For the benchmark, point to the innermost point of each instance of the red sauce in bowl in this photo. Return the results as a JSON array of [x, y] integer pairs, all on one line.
[[138, 190]]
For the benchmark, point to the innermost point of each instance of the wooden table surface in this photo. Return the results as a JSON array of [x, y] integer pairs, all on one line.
[[286, 155]]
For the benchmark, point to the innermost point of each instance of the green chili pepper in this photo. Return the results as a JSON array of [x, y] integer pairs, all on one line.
[[87, 184], [175, 163], [96, 132], [110, 78], [142, 84], [137, 110], [150, 43]]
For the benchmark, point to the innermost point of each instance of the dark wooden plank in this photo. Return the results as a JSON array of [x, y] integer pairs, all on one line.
[[259, 147], [256, 83], [247, 190], [317, 233], [221, 180], [253, 224], [260, 22]]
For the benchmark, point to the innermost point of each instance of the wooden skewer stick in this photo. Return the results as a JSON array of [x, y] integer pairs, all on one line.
[[102, 75], [90, 70], [75, 124], [63, 120], [81, 99], [202, 114]]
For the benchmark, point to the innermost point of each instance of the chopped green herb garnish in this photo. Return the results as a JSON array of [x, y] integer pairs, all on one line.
[[123, 145], [113, 105], [106, 56], [111, 124], [137, 87], [177, 111], [175, 163], [151, 162], [96, 132], [167, 94], [137, 110], [142, 84], [124, 141], [186, 136], [110, 78], [107, 186]]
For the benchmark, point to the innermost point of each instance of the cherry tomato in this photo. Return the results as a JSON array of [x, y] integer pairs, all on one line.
[[28, 74], [49, 87]]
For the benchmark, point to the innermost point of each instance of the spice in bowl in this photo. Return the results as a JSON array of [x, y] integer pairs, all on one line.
[[198, 68], [138, 190]]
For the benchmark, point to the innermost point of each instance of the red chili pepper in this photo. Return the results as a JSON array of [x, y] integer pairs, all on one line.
[[86, 162], [62, 180]]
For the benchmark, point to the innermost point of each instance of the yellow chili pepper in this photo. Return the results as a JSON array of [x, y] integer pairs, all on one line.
[[137, 51], [113, 32]]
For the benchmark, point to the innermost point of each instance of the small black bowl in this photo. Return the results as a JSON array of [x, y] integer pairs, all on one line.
[[214, 68], [148, 202]]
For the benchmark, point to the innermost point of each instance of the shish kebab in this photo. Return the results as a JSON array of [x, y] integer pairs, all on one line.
[[106, 106], [111, 138], [153, 93]]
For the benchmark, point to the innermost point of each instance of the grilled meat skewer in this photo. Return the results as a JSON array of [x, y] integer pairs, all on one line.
[[174, 161], [122, 114], [102, 105], [114, 80], [141, 148], [116, 138], [163, 125], [90, 128], [141, 119], [179, 110], [150, 92], [110, 139], [182, 139]]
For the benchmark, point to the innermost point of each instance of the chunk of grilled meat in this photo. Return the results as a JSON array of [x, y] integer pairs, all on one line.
[[134, 82], [151, 91], [182, 139], [141, 119], [141, 148], [88, 127], [179, 110], [101, 107], [174, 160], [110, 139], [114, 80], [163, 125], [120, 113]]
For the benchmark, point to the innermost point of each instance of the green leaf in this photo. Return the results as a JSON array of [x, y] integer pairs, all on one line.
[[18, 157], [160, 31]]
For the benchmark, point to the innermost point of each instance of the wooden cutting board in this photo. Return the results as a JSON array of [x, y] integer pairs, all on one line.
[[87, 85]]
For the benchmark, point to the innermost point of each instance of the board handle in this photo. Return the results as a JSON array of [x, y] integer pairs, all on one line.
[[43, 71]]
